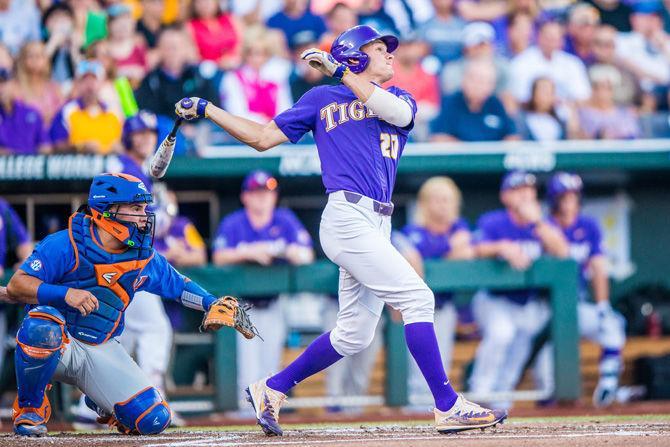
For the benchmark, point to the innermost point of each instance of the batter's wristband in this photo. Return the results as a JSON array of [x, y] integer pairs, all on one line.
[[202, 107], [51, 294], [340, 71]]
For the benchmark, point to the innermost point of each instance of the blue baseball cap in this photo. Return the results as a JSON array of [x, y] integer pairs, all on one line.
[[647, 7], [517, 179], [257, 180]]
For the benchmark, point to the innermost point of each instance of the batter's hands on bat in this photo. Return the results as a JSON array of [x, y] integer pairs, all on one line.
[[324, 62], [191, 108], [82, 300]]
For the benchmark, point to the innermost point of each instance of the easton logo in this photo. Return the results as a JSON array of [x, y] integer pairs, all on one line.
[[109, 276], [139, 281]]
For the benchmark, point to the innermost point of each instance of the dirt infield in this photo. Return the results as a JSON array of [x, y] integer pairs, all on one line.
[[610, 431]]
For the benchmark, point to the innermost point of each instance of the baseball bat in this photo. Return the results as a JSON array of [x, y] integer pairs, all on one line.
[[163, 156]]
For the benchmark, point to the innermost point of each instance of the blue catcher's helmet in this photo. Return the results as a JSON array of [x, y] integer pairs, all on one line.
[[560, 183], [142, 121], [346, 49], [115, 189]]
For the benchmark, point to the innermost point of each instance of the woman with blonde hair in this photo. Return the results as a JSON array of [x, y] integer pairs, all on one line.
[[33, 78], [438, 232]]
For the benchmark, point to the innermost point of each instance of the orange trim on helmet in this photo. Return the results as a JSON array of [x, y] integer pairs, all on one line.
[[74, 245], [129, 177]]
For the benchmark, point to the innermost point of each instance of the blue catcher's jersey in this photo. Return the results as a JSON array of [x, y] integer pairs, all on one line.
[[75, 258]]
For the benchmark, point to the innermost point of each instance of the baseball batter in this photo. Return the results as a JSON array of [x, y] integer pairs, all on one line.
[[360, 131], [597, 320], [77, 284], [438, 232], [510, 319]]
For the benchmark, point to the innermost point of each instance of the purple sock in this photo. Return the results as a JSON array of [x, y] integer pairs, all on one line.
[[422, 343], [318, 356]]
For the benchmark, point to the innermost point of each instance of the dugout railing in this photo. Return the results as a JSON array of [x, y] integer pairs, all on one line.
[[557, 277]]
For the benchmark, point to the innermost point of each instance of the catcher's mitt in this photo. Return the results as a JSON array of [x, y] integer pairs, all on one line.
[[226, 311]]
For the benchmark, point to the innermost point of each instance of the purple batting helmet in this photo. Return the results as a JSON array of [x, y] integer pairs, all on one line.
[[346, 49], [560, 183], [142, 121]]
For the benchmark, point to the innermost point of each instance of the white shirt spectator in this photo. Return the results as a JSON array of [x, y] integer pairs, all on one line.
[[567, 72], [19, 23], [636, 51]]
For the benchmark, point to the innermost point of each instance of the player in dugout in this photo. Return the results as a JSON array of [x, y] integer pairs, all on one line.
[[360, 131], [76, 286]]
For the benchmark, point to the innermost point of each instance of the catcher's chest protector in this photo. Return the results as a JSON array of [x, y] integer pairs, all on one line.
[[111, 277]]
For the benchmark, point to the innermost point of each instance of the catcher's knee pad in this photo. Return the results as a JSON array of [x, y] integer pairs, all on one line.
[[39, 345], [145, 413], [421, 308]]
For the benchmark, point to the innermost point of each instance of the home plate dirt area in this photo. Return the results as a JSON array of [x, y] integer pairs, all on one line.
[[634, 431]]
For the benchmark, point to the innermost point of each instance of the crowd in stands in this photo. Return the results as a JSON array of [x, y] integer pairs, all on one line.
[[72, 71]]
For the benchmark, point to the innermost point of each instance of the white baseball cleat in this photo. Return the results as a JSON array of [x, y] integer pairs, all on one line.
[[466, 415], [605, 392], [266, 403]]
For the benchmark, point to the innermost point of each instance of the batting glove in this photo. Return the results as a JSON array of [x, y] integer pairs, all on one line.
[[191, 108], [324, 62]]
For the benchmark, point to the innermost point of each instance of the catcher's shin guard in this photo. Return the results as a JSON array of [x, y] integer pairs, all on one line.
[[145, 413], [39, 345]]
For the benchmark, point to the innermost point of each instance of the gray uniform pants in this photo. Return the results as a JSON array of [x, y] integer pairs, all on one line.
[[104, 372]]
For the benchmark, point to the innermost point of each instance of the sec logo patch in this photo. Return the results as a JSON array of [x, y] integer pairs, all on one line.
[[36, 265]]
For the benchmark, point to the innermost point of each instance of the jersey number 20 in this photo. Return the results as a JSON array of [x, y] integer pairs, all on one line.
[[388, 142]]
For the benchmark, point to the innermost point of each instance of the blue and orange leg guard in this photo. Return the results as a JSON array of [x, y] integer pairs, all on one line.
[[145, 413], [40, 343]]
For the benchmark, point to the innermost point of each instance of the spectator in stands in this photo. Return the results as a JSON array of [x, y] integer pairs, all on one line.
[[217, 34], [510, 319], [257, 90], [474, 113], [443, 32], [582, 24], [100, 51], [520, 34], [438, 232], [476, 10], [21, 127], [19, 23], [33, 76], [140, 138], [477, 44], [126, 48], [296, 18], [174, 78], [302, 77], [372, 13], [339, 19], [645, 51], [261, 234], [85, 124], [541, 119], [150, 23], [615, 13], [601, 117], [547, 59], [410, 75], [62, 43], [501, 25], [604, 52]]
